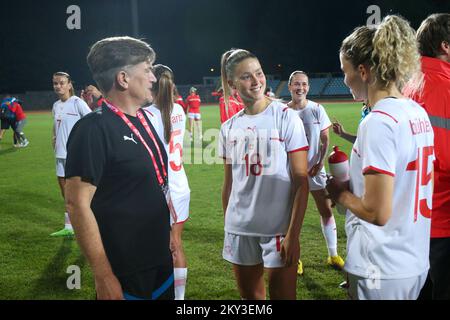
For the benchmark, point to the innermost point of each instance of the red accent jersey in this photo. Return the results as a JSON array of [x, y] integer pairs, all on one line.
[[193, 103], [435, 99]]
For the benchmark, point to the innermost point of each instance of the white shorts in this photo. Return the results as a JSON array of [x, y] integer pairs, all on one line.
[[251, 250], [318, 182], [390, 289], [196, 116], [60, 165], [181, 206]]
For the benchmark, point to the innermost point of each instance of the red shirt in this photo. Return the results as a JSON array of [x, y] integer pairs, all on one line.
[[180, 101], [234, 106], [435, 98], [193, 103]]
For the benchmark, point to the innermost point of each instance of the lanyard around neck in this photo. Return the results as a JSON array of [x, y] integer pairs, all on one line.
[[162, 179]]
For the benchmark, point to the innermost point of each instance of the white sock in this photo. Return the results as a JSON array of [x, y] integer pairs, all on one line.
[[67, 223], [330, 234], [180, 282]]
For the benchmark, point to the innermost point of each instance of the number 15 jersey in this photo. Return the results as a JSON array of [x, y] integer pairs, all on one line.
[[178, 182], [257, 148], [396, 139]]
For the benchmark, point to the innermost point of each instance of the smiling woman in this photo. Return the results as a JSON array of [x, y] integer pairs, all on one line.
[[271, 139]]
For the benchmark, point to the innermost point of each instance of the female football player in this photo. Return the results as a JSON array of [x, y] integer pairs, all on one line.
[[265, 185]]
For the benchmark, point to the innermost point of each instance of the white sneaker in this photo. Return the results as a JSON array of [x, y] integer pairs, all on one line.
[[25, 143]]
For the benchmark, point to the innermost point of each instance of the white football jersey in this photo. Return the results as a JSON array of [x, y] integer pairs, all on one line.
[[396, 138], [178, 182], [315, 120], [257, 147], [65, 115]]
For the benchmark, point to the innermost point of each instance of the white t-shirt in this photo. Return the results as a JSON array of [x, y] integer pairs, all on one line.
[[257, 147], [390, 139], [315, 120], [178, 182], [65, 115]]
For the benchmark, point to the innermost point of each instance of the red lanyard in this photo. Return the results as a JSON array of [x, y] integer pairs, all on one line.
[[162, 180]]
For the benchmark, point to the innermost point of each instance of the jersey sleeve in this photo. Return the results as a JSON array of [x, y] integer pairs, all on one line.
[[293, 132], [325, 122], [83, 108], [86, 152], [378, 147], [222, 150]]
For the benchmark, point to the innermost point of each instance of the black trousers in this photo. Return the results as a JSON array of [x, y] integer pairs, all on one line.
[[437, 286], [153, 284]]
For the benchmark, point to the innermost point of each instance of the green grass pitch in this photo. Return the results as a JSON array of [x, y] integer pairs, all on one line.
[[33, 265]]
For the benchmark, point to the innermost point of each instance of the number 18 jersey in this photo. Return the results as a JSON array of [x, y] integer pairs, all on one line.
[[257, 148], [396, 139]]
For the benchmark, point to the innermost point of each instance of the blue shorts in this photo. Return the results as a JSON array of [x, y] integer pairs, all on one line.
[[153, 284]]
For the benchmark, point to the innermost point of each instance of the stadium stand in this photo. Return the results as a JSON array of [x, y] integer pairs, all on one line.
[[320, 87], [273, 84], [336, 87], [316, 86]]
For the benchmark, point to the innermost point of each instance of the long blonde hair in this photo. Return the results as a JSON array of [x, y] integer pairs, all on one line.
[[228, 63], [163, 89]]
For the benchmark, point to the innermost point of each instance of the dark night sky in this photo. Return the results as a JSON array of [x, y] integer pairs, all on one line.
[[187, 35]]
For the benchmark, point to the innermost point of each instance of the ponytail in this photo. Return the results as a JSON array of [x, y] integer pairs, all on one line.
[[224, 78], [390, 50], [163, 89], [228, 62], [395, 52]]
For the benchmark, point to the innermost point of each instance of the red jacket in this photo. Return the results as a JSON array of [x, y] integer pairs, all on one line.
[[193, 103], [16, 108], [435, 98], [20, 115]]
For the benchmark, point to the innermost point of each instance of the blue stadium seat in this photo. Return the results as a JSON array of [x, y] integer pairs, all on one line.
[[285, 92], [316, 85], [336, 87], [273, 84]]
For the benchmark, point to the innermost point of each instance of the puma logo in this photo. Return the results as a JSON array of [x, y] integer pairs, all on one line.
[[125, 138]]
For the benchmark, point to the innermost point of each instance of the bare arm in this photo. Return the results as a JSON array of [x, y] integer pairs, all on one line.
[[375, 205], [338, 129], [54, 137], [290, 248], [79, 195], [325, 143], [226, 189]]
